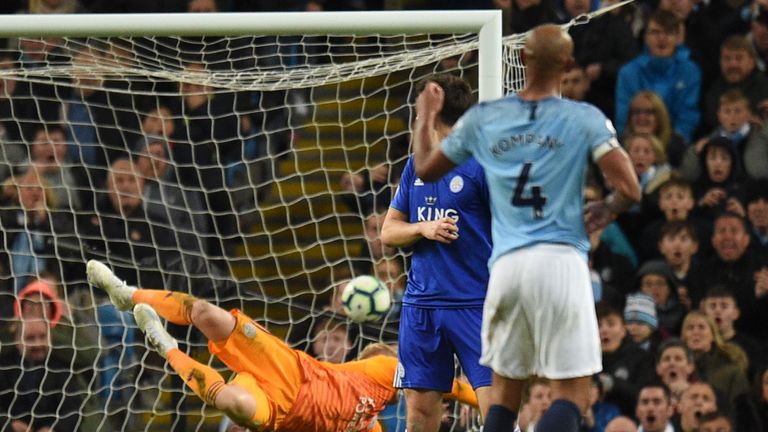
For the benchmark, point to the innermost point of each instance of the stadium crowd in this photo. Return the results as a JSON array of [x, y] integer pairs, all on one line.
[[680, 281]]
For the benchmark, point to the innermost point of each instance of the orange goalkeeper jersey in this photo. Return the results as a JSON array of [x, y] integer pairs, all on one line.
[[341, 398]]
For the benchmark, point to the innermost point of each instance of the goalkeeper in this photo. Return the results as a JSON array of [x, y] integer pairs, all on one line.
[[276, 388]]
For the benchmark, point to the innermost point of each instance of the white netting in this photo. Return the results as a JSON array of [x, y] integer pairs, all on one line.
[[243, 147]]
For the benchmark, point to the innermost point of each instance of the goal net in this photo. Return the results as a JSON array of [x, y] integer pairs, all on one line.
[[250, 171]]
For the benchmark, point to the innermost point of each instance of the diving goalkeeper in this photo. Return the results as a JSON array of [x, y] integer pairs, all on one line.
[[276, 388]]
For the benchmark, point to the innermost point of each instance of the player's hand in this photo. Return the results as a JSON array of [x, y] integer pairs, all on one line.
[[442, 230], [430, 101], [597, 215]]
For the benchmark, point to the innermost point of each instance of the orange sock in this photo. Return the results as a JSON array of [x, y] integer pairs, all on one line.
[[203, 380], [174, 306]]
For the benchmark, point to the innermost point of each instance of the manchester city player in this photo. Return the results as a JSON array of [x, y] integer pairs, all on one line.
[[539, 318], [447, 224]]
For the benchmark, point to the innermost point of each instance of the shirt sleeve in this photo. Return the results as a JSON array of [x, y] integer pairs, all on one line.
[[601, 135], [459, 145]]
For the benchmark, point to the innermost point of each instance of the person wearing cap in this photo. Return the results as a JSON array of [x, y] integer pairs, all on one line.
[[39, 300], [641, 321], [656, 279]]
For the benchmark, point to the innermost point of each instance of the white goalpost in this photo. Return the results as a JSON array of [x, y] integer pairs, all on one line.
[[243, 158]]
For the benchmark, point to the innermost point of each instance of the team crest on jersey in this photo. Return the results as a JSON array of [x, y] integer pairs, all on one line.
[[457, 184], [249, 330], [418, 182]]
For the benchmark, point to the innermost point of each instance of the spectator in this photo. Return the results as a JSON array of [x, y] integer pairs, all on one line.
[[664, 67], [621, 424], [758, 35], [675, 367], [37, 392], [700, 33], [649, 160], [757, 213], [600, 57], [760, 395], [721, 364], [11, 117], [655, 408], [678, 245], [748, 139], [32, 227], [715, 422], [391, 272], [372, 250], [330, 341], [674, 202], [738, 71], [738, 267], [48, 154], [626, 368], [656, 279], [537, 397], [698, 400], [575, 84], [181, 210], [649, 115], [719, 188], [54, 6], [720, 306], [600, 413], [641, 322], [367, 192], [519, 16]]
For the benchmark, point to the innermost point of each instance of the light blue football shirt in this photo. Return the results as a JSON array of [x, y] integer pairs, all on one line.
[[534, 154]]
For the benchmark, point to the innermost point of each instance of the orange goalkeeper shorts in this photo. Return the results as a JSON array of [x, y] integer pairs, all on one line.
[[267, 364]]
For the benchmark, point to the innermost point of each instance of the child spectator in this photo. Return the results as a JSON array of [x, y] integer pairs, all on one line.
[[626, 368], [719, 187], [678, 245], [537, 397], [750, 145], [641, 322], [675, 367], [575, 84], [719, 304], [655, 278], [647, 155], [600, 413], [675, 203]]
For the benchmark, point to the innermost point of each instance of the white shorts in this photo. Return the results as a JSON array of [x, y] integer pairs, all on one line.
[[539, 315]]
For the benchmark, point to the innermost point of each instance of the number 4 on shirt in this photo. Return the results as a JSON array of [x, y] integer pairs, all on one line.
[[535, 200]]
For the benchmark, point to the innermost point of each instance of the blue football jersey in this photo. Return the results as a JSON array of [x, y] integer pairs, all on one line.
[[534, 154], [456, 274]]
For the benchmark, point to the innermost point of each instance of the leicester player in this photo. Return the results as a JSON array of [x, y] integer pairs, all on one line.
[[539, 318], [276, 389], [447, 225]]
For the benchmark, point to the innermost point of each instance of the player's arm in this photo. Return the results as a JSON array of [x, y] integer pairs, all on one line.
[[430, 163], [463, 393], [618, 172], [398, 232]]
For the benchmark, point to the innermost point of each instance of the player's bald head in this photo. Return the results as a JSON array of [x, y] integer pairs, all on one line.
[[548, 50]]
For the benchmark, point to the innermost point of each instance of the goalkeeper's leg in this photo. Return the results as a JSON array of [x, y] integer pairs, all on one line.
[[238, 403], [179, 308]]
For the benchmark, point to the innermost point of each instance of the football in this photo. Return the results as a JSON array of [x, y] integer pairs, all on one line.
[[365, 298]]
